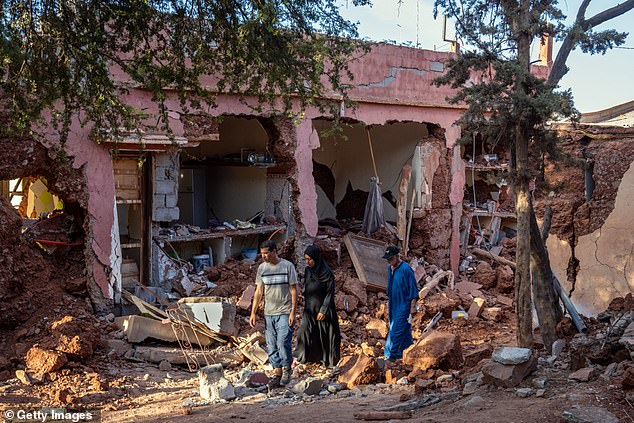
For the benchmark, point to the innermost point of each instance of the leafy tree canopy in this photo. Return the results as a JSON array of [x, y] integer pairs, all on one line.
[[59, 55]]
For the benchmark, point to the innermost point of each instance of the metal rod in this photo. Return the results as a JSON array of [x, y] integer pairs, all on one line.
[[570, 307]]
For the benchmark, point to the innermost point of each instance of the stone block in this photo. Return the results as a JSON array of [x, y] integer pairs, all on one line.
[[377, 328], [511, 355], [476, 308], [437, 350], [219, 316], [581, 414], [118, 347], [309, 386], [473, 357], [41, 361], [364, 371], [507, 375], [213, 385], [493, 314], [139, 328], [583, 375]]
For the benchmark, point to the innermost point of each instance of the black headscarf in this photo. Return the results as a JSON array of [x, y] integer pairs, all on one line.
[[321, 269]]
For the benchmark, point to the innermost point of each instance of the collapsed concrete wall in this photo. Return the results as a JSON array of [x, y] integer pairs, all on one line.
[[591, 245]]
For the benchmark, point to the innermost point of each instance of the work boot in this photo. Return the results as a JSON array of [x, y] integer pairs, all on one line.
[[286, 376], [274, 382]]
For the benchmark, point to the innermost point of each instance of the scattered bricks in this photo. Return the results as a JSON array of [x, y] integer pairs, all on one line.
[[511, 355], [505, 279], [42, 361], [501, 299], [485, 275], [493, 314], [507, 375], [213, 385], [583, 375], [580, 414], [246, 298], [423, 385], [309, 386], [365, 371], [437, 350], [377, 328], [473, 357], [476, 307]]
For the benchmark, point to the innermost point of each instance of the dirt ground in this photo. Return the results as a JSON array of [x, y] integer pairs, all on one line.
[[55, 352]]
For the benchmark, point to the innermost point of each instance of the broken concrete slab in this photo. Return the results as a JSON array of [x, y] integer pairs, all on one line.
[[217, 315], [511, 355], [436, 350], [138, 329], [228, 358], [507, 375]]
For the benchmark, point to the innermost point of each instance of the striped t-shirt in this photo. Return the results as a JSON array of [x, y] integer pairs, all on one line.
[[276, 280]]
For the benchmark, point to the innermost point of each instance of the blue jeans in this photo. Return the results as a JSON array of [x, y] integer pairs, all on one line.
[[279, 340]]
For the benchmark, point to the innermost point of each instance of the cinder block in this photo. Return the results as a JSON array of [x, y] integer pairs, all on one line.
[[165, 187], [165, 214], [171, 200], [218, 316], [159, 201]]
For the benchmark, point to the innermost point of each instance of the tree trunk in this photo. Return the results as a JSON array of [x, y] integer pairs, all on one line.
[[546, 299], [523, 306]]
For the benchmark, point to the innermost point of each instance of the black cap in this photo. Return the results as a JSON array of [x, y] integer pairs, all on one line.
[[391, 251]]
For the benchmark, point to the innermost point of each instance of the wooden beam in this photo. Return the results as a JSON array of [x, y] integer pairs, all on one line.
[[485, 254], [401, 204]]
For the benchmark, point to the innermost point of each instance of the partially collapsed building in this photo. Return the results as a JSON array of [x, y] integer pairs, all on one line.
[[225, 180]]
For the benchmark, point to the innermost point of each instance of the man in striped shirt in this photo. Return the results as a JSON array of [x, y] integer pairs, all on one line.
[[276, 282]]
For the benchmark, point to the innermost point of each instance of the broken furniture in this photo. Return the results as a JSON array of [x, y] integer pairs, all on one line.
[[366, 255]]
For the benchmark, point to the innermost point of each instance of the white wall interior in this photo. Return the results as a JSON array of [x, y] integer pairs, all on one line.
[[350, 159], [234, 189]]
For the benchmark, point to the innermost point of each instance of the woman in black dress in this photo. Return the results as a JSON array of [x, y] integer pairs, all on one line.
[[319, 339]]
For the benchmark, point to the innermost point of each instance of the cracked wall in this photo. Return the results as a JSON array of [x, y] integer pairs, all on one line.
[[606, 256], [591, 245]]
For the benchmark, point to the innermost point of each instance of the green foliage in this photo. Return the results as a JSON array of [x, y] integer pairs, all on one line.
[[62, 56]]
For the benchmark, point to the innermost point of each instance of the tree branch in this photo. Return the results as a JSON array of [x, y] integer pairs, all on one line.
[[559, 69]]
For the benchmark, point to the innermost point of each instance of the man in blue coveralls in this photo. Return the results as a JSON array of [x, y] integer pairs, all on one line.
[[402, 294]]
